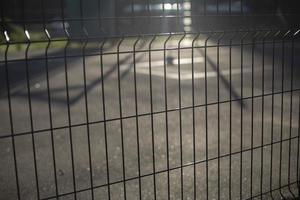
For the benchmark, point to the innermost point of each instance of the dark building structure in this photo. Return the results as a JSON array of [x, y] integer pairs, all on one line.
[[115, 17]]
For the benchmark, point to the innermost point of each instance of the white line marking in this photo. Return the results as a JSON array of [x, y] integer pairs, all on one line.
[[160, 63], [189, 60], [197, 75], [157, 69]]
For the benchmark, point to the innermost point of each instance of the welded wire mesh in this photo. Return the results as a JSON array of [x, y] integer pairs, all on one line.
[[149, 100]]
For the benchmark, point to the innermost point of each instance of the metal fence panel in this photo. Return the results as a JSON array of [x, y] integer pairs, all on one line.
[[149, 100]]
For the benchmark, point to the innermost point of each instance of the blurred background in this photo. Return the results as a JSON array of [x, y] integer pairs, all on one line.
[[116, 17]]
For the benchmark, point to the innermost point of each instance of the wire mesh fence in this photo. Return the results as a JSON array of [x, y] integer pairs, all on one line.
[[149, 100]]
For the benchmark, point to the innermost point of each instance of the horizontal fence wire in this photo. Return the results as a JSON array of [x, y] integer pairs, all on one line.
[[149, 100]]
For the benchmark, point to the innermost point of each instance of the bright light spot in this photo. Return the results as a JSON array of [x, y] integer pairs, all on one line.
[[6, 36], [168, 6], [187, 5], [27, 34], [47, 33], [187, 41], [287, 33], [297, 32], [187, 21]]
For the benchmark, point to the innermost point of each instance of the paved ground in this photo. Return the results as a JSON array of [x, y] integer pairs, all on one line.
[[148, 124]]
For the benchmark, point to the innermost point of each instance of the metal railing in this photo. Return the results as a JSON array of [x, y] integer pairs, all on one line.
[[123, 113]]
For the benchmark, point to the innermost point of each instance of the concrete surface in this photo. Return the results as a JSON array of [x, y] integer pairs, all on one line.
[[282, 129]]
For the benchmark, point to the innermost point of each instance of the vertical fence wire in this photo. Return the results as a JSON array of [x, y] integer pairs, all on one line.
[[281, 110], [49, 97], [166, 114], [272, 113], [152, 120], [121, 116], [136, 118], [291, 116], [12, 132], [104, 123], [180, 115], [194, 120], [241, 112], [230, 116]]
